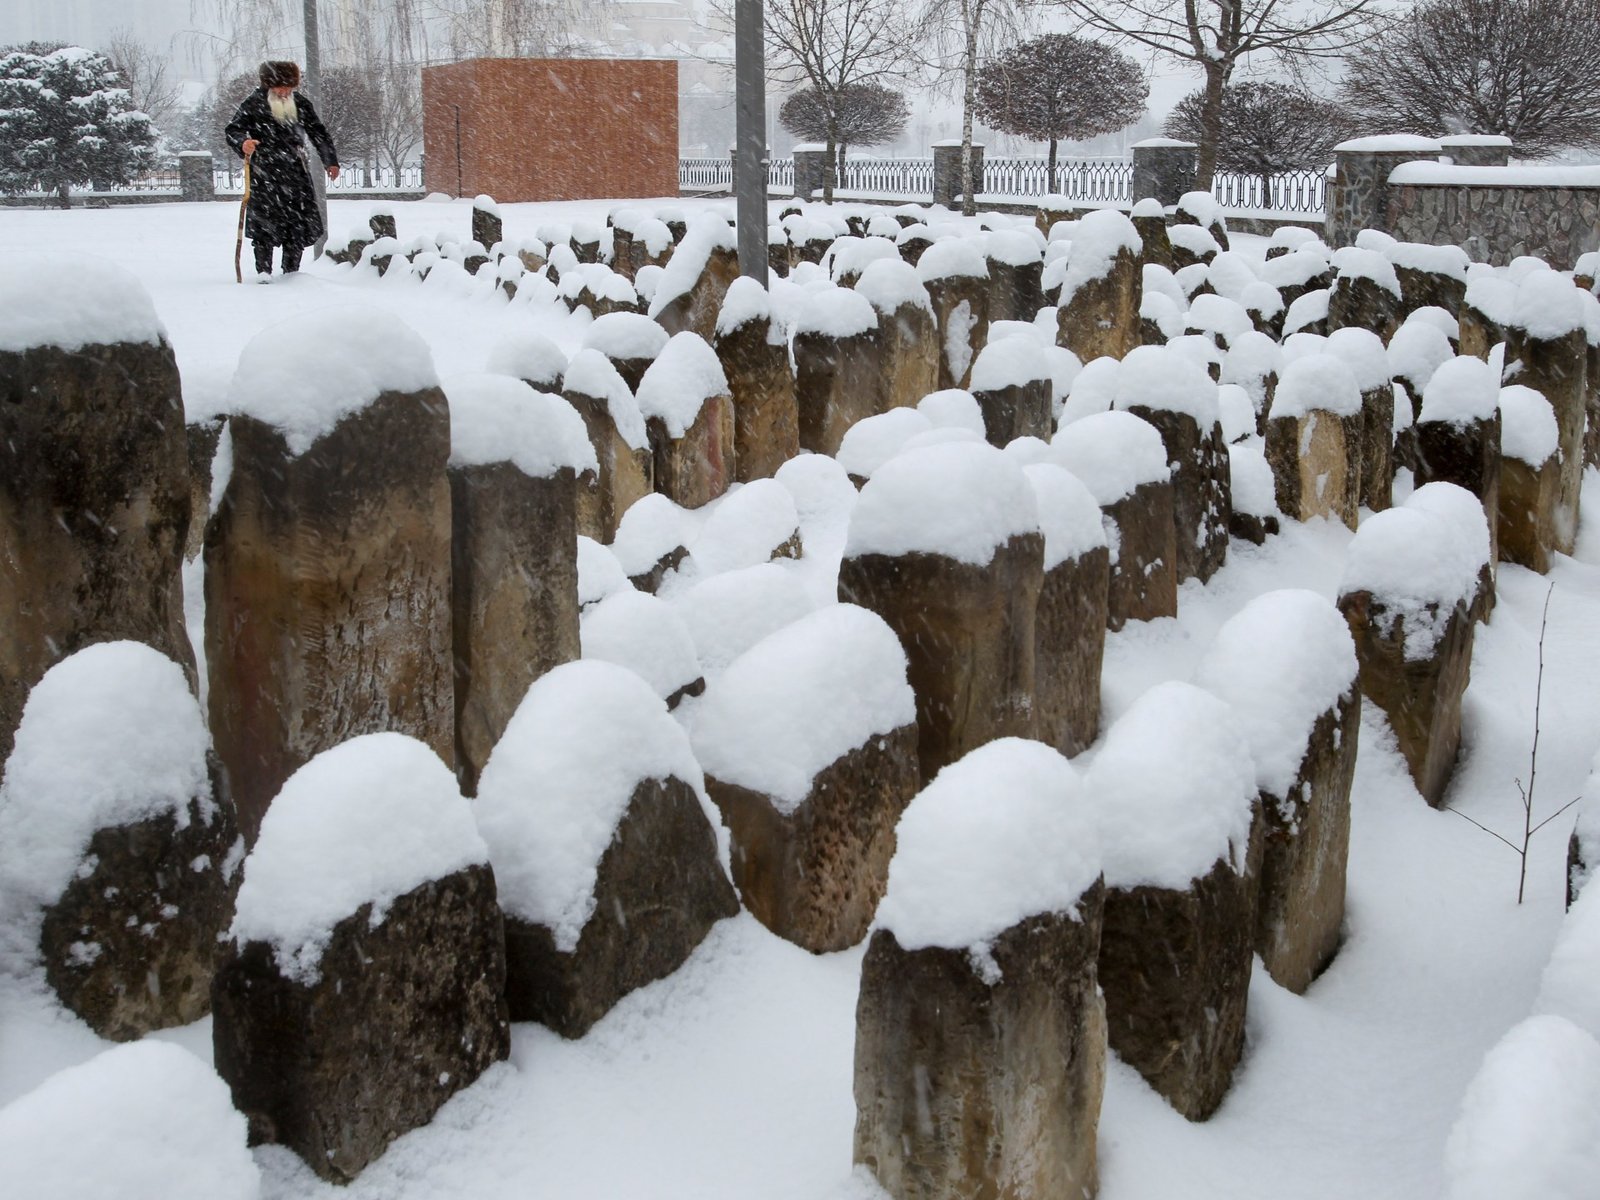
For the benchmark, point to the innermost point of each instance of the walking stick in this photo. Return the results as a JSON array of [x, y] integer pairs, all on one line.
[[238, 242]]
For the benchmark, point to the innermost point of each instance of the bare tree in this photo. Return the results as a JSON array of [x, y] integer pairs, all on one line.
[[962, 33], [513, 28], [1267, 128], [1218, 35], [145, 73], [1061, 88], [835, 45], [1526, 69], [865, 114]]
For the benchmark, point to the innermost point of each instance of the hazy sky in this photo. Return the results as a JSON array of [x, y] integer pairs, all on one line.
[[88, 22]]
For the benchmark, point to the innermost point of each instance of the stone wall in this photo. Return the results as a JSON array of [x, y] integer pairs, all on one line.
[[1556, 221]]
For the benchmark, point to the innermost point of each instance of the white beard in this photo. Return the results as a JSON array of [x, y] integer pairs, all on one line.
[[284, 112]]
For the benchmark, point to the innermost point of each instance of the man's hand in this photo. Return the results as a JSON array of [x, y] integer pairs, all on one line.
[[249, 146], [333, 171]]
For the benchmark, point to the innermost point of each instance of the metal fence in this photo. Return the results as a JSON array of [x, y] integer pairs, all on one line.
[[1086, 180], [353, 177]]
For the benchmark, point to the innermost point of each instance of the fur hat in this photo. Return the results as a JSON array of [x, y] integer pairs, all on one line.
[[280, 74]]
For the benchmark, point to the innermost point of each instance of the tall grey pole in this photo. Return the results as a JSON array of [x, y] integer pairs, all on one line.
[[750, 140], [313, 84]]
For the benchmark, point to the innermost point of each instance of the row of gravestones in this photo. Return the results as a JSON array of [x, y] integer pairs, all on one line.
[[277, 492]]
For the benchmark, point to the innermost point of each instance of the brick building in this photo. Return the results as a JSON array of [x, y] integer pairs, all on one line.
[[551, 128]]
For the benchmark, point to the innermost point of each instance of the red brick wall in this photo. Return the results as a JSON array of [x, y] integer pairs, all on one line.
[[551, 128]]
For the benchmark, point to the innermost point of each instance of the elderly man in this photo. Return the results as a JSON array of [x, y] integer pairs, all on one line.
[[266, 129]]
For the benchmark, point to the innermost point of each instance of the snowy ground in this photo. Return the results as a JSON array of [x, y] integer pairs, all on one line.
[[733, 1078]]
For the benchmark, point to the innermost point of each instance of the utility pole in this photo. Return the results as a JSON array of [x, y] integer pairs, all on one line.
[[750, 140], [313, 82]]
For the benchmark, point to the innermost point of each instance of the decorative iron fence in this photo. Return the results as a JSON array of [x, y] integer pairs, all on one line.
[[354, 177], [1087, 180]]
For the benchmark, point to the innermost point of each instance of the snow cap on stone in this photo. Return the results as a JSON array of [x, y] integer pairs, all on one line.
[[1528, 430], [1157, 378], [1002, 835], [71, 301], [678, 383], [1461, 391], [953, 258], [305, 375], [1068, 516], [873, 441], [1009, 362], [800, 699], [558, 783], [1101, 235], [953, 408], [1549, 306], [1173, 790], [726, 614], [962, 501], [1250, 475], [622, 335], [892, 283], [745, 527], [645, 634], [833, 312], [363, 823], [745, 301], [1364, 353], [599, 572], [1113, 453], [1317, 383], [1417, 350], [593, 374], [495, 418], [707, 232], [1280, 663], [1352, 262]]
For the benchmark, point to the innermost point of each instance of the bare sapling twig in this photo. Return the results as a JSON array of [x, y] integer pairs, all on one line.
[[1527, 793]]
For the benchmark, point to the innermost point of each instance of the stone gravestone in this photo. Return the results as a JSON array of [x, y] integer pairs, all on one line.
[[610, 860], [1016, 275], [688, 413], [809, 743], [120, 842], [1530, 479], [514, 456], [944, 544], [956, 275], [1457, 435], [1123, 463], [1408, 588], [620, 440], [1286, 666], [1366, 293], [94, 479], [839, 376], [1173, 792], [1314, 434], [630, 340], [1364, 353], [1070, 621], [908, 332], [1013, 385], [755, 358], [328, 557], [363, 984], [487, 227], [1176, 397], [980, 1032], [689, 294], [1103, 287]]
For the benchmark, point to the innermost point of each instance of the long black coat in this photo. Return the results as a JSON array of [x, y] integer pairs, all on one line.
[[283, 204]]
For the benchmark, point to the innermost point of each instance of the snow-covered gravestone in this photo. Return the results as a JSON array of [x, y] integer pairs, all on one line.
[[1410, 581], [1173, 791], [1548, 337], [1530, 479], [94, 479], [1100, 296], [530, 357], [514, 456], [487, 226], [1175, 396], [1367, 358], [1016, 275], [1202, 209], [118, 851], [1149, 219], [1429, 276], [621, 442], [1286, 666], [1314, 436], [1013, 385], [980, 1033], [1488, 312], [363, 984], [689, 416], [809, 743], [956, 275], [630, 340], [1253, 362], [609, 858], [908, 334], [638, 240], [1122, 461], [1070, 620], [944, 545], [755, 358], [144, 1120], [1457, 435], [1366, 293], [328, 608], [696, 278], [1529, 1127], [839, 376]]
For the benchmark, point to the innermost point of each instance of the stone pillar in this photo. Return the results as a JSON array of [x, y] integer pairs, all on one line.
[[1477, 150], [947, 172], [1314, 436], [810, 170], [838, 371], [1558, 368], [1163, 170], [195, 180], [1359, 196], [766, 421], [908, 331], [382, 223], [94, 486], [1100, 318]]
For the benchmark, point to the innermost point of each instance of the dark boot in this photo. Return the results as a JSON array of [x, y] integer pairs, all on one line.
[[291, 258], [263, 252]]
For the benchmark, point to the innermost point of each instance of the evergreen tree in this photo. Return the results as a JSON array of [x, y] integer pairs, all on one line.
[[66, 120]]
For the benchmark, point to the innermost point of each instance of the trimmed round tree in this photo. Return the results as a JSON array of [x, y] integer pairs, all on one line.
[[860, 114], [67, 120], [1267, 129], [1059, 88]]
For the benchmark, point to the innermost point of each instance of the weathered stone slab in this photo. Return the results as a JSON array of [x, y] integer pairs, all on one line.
[[908, 333], [1070, 628], [839, 378], [616, 428], [690, 292], [689, 417], [755, 359], [1314, 437], [1099, 308], [1530, 479]]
